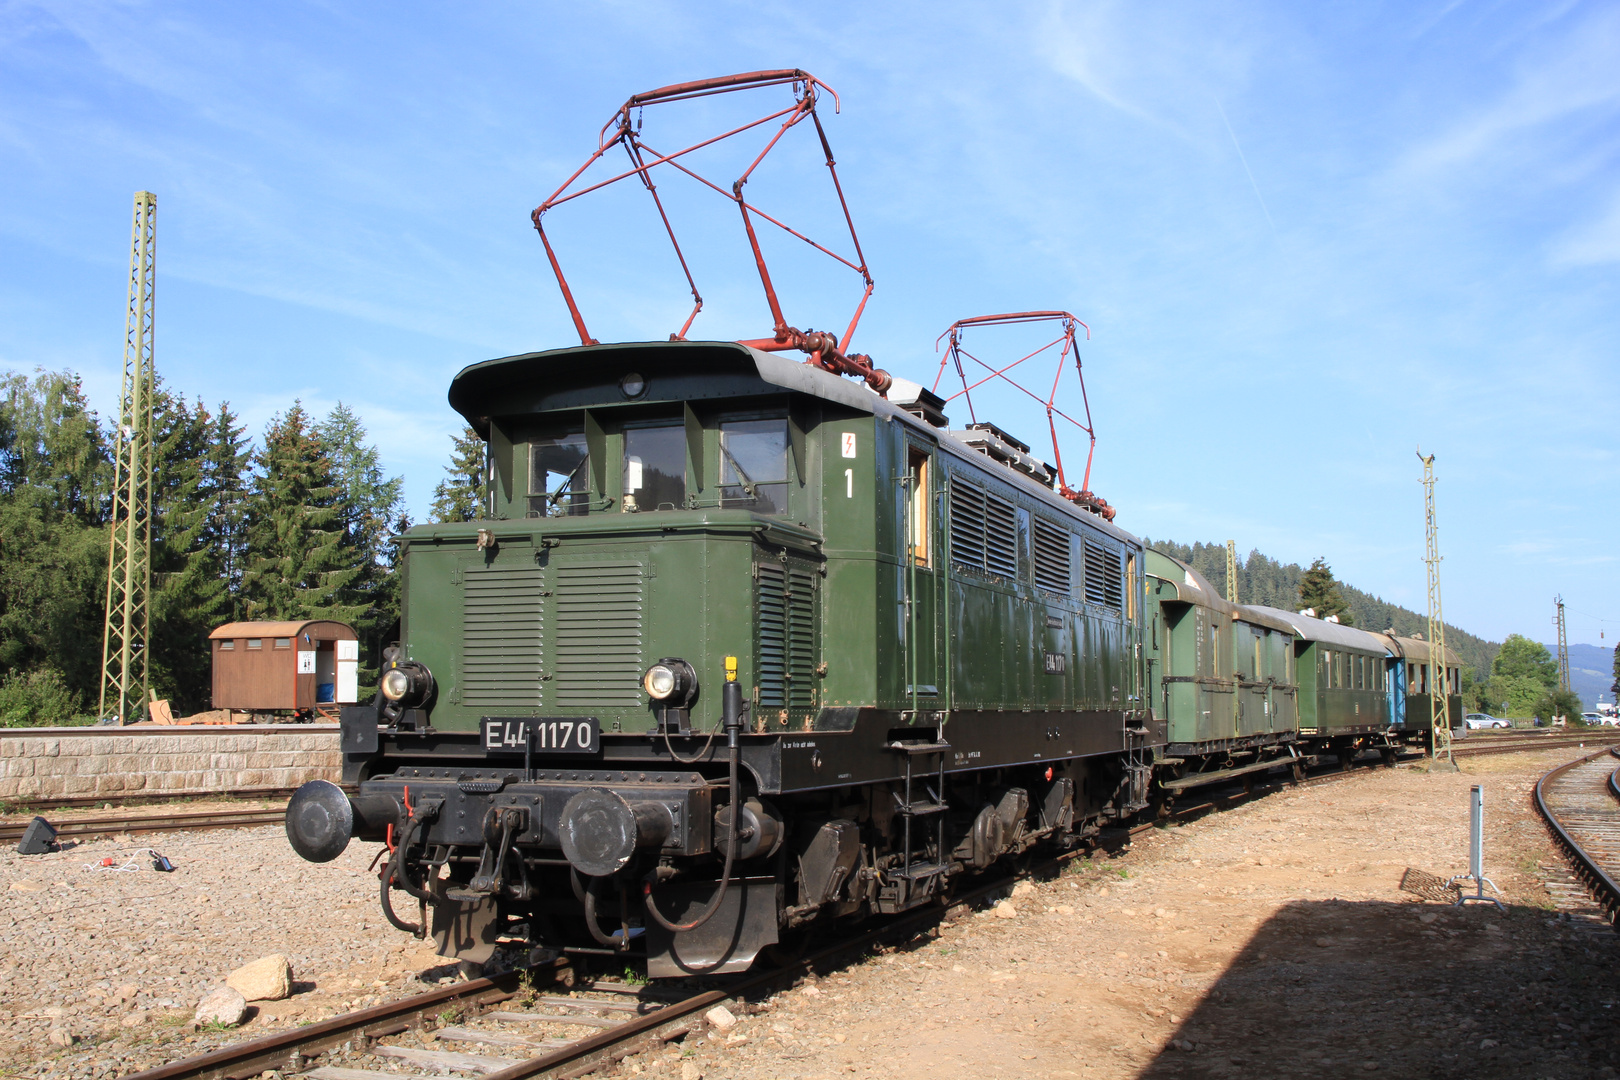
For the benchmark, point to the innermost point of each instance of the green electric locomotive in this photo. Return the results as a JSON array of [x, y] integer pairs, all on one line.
[[738, 644]]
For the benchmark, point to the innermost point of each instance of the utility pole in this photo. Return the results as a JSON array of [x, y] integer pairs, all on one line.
[[1563, 646], [1231, 572], [1439, 710], [126, 634]]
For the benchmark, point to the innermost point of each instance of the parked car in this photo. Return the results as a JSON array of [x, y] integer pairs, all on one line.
[[1479, 720], [1596, 719]]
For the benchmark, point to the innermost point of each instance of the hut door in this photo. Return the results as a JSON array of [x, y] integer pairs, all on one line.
[[919, 584], [348, 672]]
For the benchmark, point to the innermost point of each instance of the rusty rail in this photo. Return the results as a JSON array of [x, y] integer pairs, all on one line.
[[1605, 890]]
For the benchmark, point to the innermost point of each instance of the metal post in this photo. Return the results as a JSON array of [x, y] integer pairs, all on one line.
[[1476, 852]]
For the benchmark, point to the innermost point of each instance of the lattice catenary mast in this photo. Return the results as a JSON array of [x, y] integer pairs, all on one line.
[[1563, 647], [129, 556], [1231, 572], [1439, 705]]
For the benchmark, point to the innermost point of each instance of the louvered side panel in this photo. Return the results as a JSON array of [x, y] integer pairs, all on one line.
[[771, 634], [967, 524], [1096, 573], [501, 637], [1115, 581], [599, 632], [1051, 557], [1000, 536], [801, 609]]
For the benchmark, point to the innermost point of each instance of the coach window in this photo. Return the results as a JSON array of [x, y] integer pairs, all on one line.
[[654, 467], [559, 480], [754, 464], [918, 483]]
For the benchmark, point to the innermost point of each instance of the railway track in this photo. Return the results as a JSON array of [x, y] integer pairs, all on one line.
[[1580, 802], [114, 824], [83, 828], [479, 1020]]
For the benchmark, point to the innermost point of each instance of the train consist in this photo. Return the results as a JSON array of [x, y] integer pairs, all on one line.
[[742, 645]]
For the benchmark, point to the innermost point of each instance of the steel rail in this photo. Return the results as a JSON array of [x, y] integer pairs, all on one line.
[[1605, 890]]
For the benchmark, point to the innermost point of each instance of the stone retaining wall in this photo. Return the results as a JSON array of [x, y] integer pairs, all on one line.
[[46, 763]]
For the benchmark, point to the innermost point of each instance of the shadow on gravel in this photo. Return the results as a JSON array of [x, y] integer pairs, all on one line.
[[1339, 989]]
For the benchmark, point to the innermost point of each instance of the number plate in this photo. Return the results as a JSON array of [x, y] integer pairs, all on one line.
[[550, 734]]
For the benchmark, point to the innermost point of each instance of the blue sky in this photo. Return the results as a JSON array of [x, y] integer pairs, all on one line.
[[1307, 237]]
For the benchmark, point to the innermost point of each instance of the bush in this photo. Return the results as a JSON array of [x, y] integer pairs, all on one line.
[[1563, 703], [38, 698]]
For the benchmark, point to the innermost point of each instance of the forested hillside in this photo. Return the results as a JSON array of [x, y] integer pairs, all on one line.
[[1263, 580], [300, 526]]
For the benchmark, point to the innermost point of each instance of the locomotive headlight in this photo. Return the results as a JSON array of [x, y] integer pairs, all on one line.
[[395, 685], [671, 682], [406, 683], [659, 681]]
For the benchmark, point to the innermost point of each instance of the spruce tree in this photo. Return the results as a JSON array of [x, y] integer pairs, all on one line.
[[1318, 590], [224, 489], [298, 564], [369, 510], [55, 475], [460, 495]]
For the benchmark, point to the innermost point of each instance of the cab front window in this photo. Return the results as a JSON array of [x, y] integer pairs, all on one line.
[[754, 464], [654, 468], [559, 481]]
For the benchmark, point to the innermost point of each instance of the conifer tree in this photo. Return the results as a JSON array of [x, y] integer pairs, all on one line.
[[55, 474], [1318, 590], [369, 510], [225, 488], [460, 495], [298, 564]]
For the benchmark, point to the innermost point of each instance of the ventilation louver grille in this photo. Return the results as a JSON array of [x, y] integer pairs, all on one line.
[[1051, 557], [1104, 583], [967, 524], [785, 603], [984, 530], [599, 631], [501, 637]]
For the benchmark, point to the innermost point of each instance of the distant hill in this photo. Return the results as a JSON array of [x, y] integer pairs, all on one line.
[[1591, 672], [1263, 580]]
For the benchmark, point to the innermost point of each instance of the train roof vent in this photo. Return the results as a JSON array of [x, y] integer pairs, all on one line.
[[998, 446], [919, 401]]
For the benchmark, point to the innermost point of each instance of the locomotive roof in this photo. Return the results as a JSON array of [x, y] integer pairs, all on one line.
[[1330, 633], [572, 377]]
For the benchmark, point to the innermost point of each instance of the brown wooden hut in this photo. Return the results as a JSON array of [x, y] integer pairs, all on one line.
[[296, 666]]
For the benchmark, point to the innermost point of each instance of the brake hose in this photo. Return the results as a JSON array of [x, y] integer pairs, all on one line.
[[731, 710]]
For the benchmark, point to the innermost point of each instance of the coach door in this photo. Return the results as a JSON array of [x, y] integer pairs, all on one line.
[[920, 582]]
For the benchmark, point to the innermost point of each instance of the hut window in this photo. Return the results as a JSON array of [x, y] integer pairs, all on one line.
[[283, 643], [754, 464], [559, 484], [255, 643], [226, 645], [655, 467]]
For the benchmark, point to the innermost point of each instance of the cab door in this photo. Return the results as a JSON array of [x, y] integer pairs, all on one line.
[[922, 604]]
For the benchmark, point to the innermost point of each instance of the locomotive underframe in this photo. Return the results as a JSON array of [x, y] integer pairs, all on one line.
[[488, 850]]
